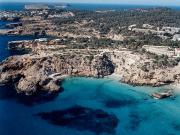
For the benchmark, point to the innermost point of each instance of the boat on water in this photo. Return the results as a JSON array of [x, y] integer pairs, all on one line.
[[161, 95]]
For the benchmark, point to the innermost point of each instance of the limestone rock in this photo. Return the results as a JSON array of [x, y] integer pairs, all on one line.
[[31, 73]]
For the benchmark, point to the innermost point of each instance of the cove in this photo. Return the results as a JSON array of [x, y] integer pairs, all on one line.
[[137, 113]]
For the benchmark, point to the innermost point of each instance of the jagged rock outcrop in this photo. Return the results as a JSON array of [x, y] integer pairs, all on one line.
[[43, 67], [129, 66], [30, 73]]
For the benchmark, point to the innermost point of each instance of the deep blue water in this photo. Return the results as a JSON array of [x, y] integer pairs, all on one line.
[[4, 39], [20, 6], [138, 114], [3, 23], [12, 6], [4, 52]]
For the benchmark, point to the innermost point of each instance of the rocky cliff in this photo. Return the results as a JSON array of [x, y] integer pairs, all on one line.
[[30, 73], [137, 69], [45, 66]]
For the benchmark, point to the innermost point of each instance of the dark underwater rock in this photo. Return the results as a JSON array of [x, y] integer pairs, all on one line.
[[114, 103], [82, 118], [176, 126], [136, 120], [39, 98], [8, 92]]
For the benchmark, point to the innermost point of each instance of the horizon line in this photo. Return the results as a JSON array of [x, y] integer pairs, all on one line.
[[157, 5]]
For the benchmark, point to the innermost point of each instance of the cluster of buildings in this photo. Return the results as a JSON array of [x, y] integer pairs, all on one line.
[[170, 30], [54, 13], [172, 33], [37, 12], [163, 50], [45, 6], [66, 14], [176, 37], [8, 15]]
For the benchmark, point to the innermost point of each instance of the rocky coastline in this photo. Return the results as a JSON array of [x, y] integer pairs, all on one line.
[[42, 69], [32, 72], [76, 49]]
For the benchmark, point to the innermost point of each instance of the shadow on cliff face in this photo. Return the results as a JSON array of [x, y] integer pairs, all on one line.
[[18, 52], [82, 118], [8, 92]]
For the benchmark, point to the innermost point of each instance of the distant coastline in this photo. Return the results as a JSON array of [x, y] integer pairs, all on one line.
[[20, 6]]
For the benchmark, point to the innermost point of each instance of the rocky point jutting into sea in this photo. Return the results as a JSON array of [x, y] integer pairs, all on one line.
[[34, 72], [79, 47], [46, 64]]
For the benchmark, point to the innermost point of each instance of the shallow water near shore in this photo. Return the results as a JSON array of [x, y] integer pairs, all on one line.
[[138, 114]]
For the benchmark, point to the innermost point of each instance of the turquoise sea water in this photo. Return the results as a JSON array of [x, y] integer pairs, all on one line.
[[138, 114]]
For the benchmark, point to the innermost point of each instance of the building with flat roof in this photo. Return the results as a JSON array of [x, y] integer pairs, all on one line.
[[160, 50], [177, 52]]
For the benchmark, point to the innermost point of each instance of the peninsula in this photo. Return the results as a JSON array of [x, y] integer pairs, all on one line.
[[139, 45]]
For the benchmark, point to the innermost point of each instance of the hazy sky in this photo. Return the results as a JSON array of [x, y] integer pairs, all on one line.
[[142, 2]]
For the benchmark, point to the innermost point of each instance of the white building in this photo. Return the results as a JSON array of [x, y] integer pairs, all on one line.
[[131, 26], [177, 52], [41, 40], [171, 30], [176, 37], [147, 26]]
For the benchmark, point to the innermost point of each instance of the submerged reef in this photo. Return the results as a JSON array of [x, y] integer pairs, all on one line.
[[82, 118]]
